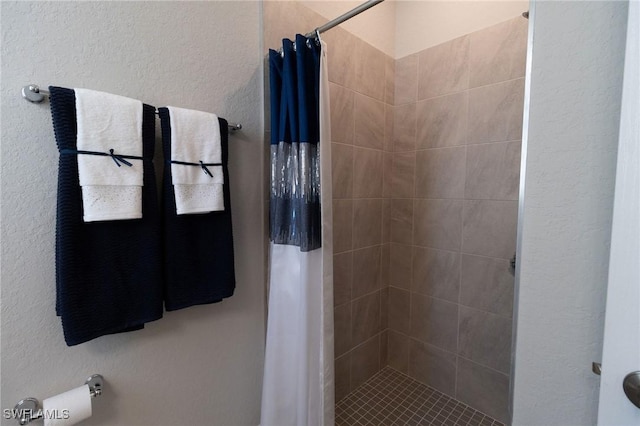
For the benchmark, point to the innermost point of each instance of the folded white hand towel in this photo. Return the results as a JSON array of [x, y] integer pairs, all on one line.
[[195, 138], [111, 190]]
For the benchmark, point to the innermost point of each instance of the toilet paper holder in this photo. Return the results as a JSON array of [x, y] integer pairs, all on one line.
[[28, 409]]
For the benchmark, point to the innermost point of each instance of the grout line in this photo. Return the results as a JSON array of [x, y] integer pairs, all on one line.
[[509, 318], [464, 199], [371, 293], [484, 366], [363, 248], [497, 83], [491, 143], [460, 250]]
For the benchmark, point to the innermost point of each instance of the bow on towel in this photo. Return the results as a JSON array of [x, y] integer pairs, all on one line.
[[108, 124], [195, 146]]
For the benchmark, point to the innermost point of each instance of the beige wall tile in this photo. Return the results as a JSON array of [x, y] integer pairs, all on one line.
[[387, 180], [485, 338], [436, 273], [400, 266], [487, 284], [444, 68], [384, 267], [389, 77], [388, 128], [493, 171], [432, 366], [342, 47], [342, 278], [365, 361], [366, 317], [484, 389], [498, 53], [369, 122], [342, 225], [495, 112], [384, 349], [342, 170], [406, 90], [342, 376], [342, 329], [367, 223], [386, 220], [403, 176], [442, 121], [401, 221], [370, 70], [399, 305], [367, 173], [366, 271], [438, 223], [440, 173], [404, 127], [490, 228], [434, 321], [384, 309], [398, 351], [342, 113]]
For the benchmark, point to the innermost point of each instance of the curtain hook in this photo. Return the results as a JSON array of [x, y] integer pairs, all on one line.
[[317, 37]]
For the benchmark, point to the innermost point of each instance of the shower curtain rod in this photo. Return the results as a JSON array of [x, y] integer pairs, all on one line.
[[344, 17]]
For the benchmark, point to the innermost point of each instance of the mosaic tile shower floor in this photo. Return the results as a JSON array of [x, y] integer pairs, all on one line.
[[391, 398]]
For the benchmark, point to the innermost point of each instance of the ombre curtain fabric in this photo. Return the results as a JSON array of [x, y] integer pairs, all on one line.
[[298, 374], [295, 162]]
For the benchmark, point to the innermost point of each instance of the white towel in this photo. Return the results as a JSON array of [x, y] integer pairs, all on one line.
[[109, 122], [195, 138]]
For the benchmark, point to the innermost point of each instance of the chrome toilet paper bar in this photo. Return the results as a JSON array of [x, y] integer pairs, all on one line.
[[29, 409]]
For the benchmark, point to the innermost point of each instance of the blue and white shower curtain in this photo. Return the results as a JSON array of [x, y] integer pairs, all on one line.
[[298, 373]]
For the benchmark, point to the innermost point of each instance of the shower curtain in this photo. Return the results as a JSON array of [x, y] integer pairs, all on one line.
[[298, 373]]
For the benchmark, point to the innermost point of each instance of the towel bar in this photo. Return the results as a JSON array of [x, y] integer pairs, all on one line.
[[28, 409], [34, 94]]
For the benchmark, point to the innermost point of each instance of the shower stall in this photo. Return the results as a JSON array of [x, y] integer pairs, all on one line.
[[425, 167]]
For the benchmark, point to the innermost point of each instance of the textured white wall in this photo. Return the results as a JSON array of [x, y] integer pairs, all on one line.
[[565, 219], [422, 23], [201, 365]]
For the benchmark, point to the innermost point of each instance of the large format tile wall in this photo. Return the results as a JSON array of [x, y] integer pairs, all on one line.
[[361, 89], [453, 211]]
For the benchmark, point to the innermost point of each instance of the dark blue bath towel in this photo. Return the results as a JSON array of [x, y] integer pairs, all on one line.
[[108, 274], [198, 261]]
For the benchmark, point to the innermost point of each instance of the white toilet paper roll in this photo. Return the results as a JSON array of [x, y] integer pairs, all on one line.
[[68, 408]]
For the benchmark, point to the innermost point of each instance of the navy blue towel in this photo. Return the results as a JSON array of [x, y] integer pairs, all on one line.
[[198, 248], [108, 274]]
